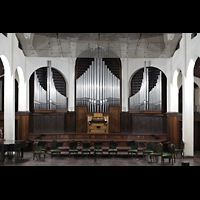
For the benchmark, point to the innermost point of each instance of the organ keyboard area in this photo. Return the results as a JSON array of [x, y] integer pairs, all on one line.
[[98, 123]]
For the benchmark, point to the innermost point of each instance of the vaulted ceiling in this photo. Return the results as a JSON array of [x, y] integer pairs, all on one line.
[[105, 45]]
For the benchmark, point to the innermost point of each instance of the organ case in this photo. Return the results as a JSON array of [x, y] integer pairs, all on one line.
[[97, 123]]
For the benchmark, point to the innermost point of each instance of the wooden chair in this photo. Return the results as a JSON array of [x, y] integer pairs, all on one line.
[[98, 148], [73, 147], [148, 149], [112, 147], [158, 152], [170, 154], [134, 147], [54, 148], [86, 147], [37, 151], [181, 150]]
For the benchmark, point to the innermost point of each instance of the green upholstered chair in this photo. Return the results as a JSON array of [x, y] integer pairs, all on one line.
[[37, 151], [112, 147], [98, 148], [73, 147], [158, 152], [54, 148], [134, 147], [181, 150], [86, 147], [42, 145], [148, 149], [170, 154]]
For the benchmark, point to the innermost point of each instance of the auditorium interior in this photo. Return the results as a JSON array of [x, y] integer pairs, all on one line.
[[125, 99]]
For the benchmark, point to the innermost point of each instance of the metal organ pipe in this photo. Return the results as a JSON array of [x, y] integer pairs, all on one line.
[[145, 99], [49, 99], [101, 90]]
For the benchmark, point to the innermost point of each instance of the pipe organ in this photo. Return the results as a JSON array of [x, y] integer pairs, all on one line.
[[98, 88], [47, 95], [149, 96]]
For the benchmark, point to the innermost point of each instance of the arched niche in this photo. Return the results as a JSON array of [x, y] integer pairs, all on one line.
[[98, 83], [47, 90], [148, 90]]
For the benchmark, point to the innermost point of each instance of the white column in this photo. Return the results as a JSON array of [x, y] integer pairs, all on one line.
[[22, 92], [174, 93], [188, 110], [125, 85], [9, 107]]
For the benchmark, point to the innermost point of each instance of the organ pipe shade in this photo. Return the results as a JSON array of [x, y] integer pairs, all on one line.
[[49, 89], [98, 88], [148, 95]]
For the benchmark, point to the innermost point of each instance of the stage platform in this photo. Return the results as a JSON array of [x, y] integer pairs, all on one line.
[[105, 138]]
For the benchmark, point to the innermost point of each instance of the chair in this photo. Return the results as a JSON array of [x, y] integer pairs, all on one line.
[[112, 147], [97, 148], [180, 150], [42, 145], [73, 147], [134, 147], [37, 151], [158, 152], [54, 148], [170, 154], [149, 148], [86, 147]]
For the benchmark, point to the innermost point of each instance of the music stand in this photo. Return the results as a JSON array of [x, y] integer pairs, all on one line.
[[153, 146], [142, 144], [42, 143], [131, 143], [59, 144], [98, 144]]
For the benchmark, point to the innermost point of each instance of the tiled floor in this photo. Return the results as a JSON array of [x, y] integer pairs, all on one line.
[[65, 160]]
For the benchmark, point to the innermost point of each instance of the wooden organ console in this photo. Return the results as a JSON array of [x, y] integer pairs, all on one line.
[[98, 123]]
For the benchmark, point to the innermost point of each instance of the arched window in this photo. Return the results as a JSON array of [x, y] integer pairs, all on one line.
[[148, 90]]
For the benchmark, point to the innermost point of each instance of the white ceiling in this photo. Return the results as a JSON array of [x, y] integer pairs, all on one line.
[[123, 45]]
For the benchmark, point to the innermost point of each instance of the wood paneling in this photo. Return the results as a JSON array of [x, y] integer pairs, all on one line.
[[143, 123], [22, 128], [173, 127], [70, 122], [126, 122], [114, 126], [46, 122], [81, 119]]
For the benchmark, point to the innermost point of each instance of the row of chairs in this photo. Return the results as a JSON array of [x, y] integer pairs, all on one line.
[[156, 152], [39, 148], [149, 149]]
